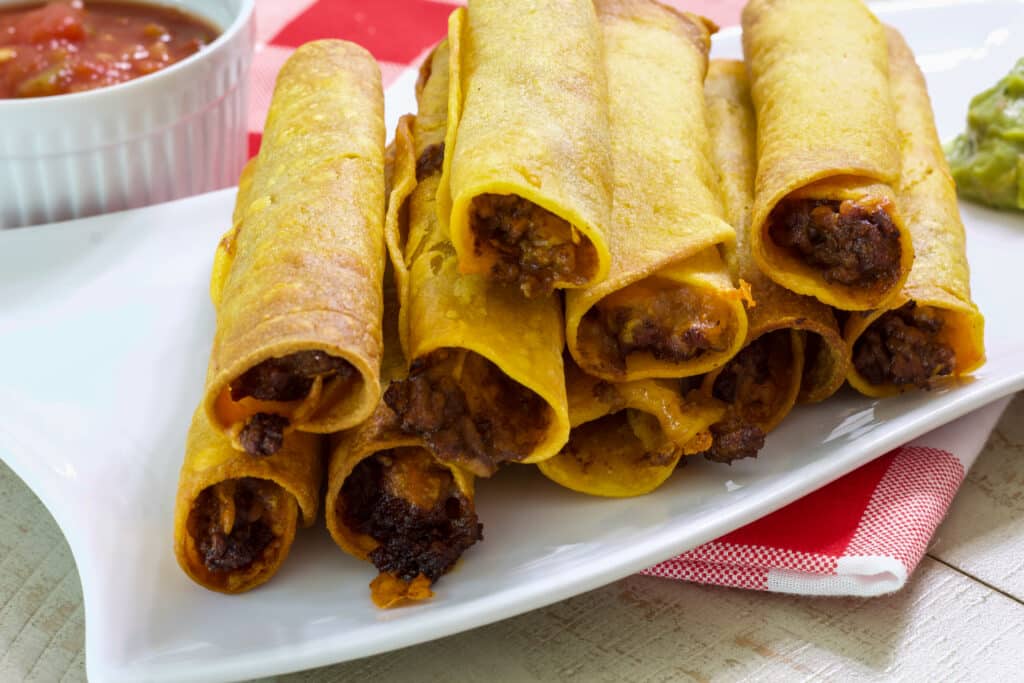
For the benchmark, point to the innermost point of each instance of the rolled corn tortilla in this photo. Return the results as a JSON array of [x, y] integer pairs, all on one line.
[[825, 219], [794, 348], [933, 329], [235, 516], [627, 438], [527, 178], [486, 384], [296, 282], [391, 502], [669, 307]]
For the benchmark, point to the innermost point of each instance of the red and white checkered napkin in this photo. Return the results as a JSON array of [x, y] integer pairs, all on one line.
[[860, 535]]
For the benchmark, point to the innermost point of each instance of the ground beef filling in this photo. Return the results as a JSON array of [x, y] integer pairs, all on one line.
[[413, 509], [751, 389], [734, 438], [754, 379], [240, 500], [669, 323], [818, 363], [535, 248], [468, 411], [430, 161], [903, 347], [263, 434], [288, 378], [849, 243], [281, 379]]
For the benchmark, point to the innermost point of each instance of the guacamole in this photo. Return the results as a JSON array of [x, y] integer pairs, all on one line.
[[987, 159]]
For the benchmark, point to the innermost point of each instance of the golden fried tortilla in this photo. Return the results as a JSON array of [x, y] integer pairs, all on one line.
[[493, 357], [385, 491], [938, 291], [827, 150], [235, 516], [627, 438], [669, 307], [299, 275], [526, 187], [818, 367]]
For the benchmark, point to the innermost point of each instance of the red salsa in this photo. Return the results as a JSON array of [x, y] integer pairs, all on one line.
[[70, 46]]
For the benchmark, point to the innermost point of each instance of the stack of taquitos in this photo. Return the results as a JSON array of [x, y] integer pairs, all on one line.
[[794, 349], [669, 307], [601, 150], [296, 285], [474, 397], [932, 329]]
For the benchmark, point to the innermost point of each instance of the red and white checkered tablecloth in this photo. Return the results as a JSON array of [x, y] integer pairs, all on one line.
[[860, 535]]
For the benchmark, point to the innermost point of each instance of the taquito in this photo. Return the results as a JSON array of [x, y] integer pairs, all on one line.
[[825, 219], [296, 282], [628, 437], [235, 516], [391, 502], [669, 307], [486, 384], [527, 179], [794, 349], [933, 329]]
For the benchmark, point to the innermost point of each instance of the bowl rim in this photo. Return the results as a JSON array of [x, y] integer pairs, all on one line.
[[242, 19]]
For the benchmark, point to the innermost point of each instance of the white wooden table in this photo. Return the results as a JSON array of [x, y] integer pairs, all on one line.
[[960, 618]]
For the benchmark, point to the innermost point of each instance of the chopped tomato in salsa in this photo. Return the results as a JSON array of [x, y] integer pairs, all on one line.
[[66, 47]]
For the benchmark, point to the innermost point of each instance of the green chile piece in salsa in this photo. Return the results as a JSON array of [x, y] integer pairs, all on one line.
[[987, 159]]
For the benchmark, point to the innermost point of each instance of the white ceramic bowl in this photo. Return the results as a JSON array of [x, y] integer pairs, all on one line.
[[174, 133]]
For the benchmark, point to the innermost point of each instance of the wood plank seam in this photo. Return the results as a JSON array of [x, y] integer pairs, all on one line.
[[976, 579]]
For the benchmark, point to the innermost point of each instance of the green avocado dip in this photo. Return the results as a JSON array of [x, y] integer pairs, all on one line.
[[987, 159]]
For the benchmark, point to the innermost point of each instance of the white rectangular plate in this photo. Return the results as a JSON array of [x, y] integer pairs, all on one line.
[[105, 326]]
